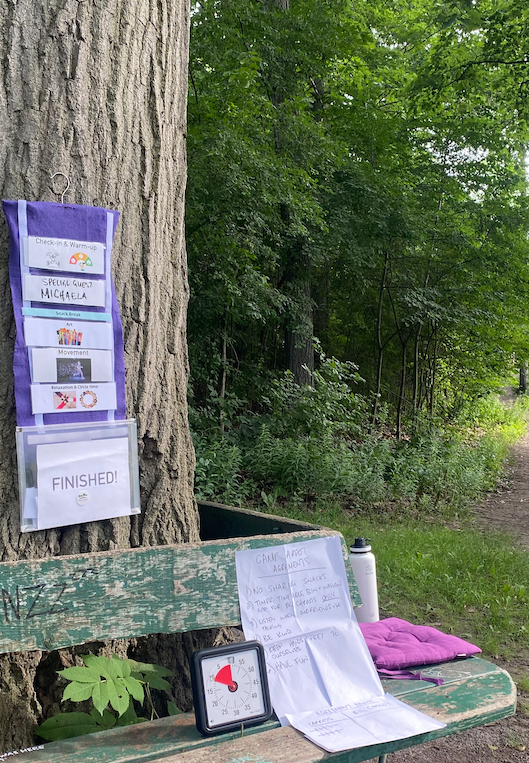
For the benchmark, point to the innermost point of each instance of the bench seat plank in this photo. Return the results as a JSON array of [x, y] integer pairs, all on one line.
[[475, 692]]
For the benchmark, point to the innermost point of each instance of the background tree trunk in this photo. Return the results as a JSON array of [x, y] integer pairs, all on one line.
[[299, 320], [98, 91], [523, 377]]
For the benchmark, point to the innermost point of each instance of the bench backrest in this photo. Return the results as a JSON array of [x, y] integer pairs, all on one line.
[[69, 600]]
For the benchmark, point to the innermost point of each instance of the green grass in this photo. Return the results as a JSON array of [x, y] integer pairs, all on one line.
[[523, 684], [461, 581], [412, 497]]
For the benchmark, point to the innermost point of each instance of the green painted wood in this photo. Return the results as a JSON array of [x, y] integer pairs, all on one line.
[[475, 693], [64, 601], [218, 521], [450, 672], [69, 600]]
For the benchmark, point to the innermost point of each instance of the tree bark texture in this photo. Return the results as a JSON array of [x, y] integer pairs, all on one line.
[[300, 355], [299, 321], [98, 90]]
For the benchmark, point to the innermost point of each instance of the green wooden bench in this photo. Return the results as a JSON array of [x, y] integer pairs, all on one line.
[[65, 601]]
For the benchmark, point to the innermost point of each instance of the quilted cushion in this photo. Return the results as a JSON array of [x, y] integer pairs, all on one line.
[[395, 643]]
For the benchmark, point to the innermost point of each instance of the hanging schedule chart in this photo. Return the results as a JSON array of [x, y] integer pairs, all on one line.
[[77, 453], [68, 360]]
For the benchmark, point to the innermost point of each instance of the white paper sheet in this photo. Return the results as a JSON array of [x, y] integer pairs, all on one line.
[[70, 365], [375, 721], [63, 290], [61, 398], [82, 481], [295, 600], [44, 332], [70, 255]]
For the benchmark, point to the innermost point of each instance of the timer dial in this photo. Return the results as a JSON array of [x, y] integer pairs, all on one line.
[[230, 687]]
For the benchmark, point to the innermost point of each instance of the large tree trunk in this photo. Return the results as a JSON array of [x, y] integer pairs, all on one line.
[[98, 91]]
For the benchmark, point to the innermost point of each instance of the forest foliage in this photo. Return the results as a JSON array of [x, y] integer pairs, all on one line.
[[357, 220]]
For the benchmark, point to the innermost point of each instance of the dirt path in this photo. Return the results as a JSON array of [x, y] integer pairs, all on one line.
[[508, 508], [506, 741]]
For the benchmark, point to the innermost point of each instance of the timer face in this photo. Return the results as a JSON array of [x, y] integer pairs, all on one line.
[[230, 688]]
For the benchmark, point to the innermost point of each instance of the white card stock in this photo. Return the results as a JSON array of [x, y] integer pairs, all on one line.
[[42, 332], [59, 290], [64, 398], [48, 253], [82, 481], [70, 365], [295, 600]]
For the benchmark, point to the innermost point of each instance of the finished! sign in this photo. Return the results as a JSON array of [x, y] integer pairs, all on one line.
[[82, 481]]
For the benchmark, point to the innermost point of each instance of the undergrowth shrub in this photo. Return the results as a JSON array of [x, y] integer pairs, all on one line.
[[314, 441], [489, 414], [430, 464], [315, 466], [218, 471], [328, 406]]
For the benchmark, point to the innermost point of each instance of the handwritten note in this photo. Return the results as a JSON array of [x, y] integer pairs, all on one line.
[[295, 600], [383, 719], [81, 292]]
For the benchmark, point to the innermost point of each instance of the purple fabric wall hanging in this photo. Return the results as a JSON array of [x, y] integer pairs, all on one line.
[[73, 222]]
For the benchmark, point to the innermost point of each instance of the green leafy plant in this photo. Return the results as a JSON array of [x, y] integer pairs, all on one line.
[[113, 682], [328, 406], [218, 471]]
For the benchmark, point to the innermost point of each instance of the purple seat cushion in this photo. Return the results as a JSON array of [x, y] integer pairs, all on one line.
[[395, 643]]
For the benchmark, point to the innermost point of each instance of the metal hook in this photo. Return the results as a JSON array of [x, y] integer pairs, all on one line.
[[67, 180]]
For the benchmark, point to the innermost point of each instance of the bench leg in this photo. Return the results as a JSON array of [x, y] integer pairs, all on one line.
[[383, 759]]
